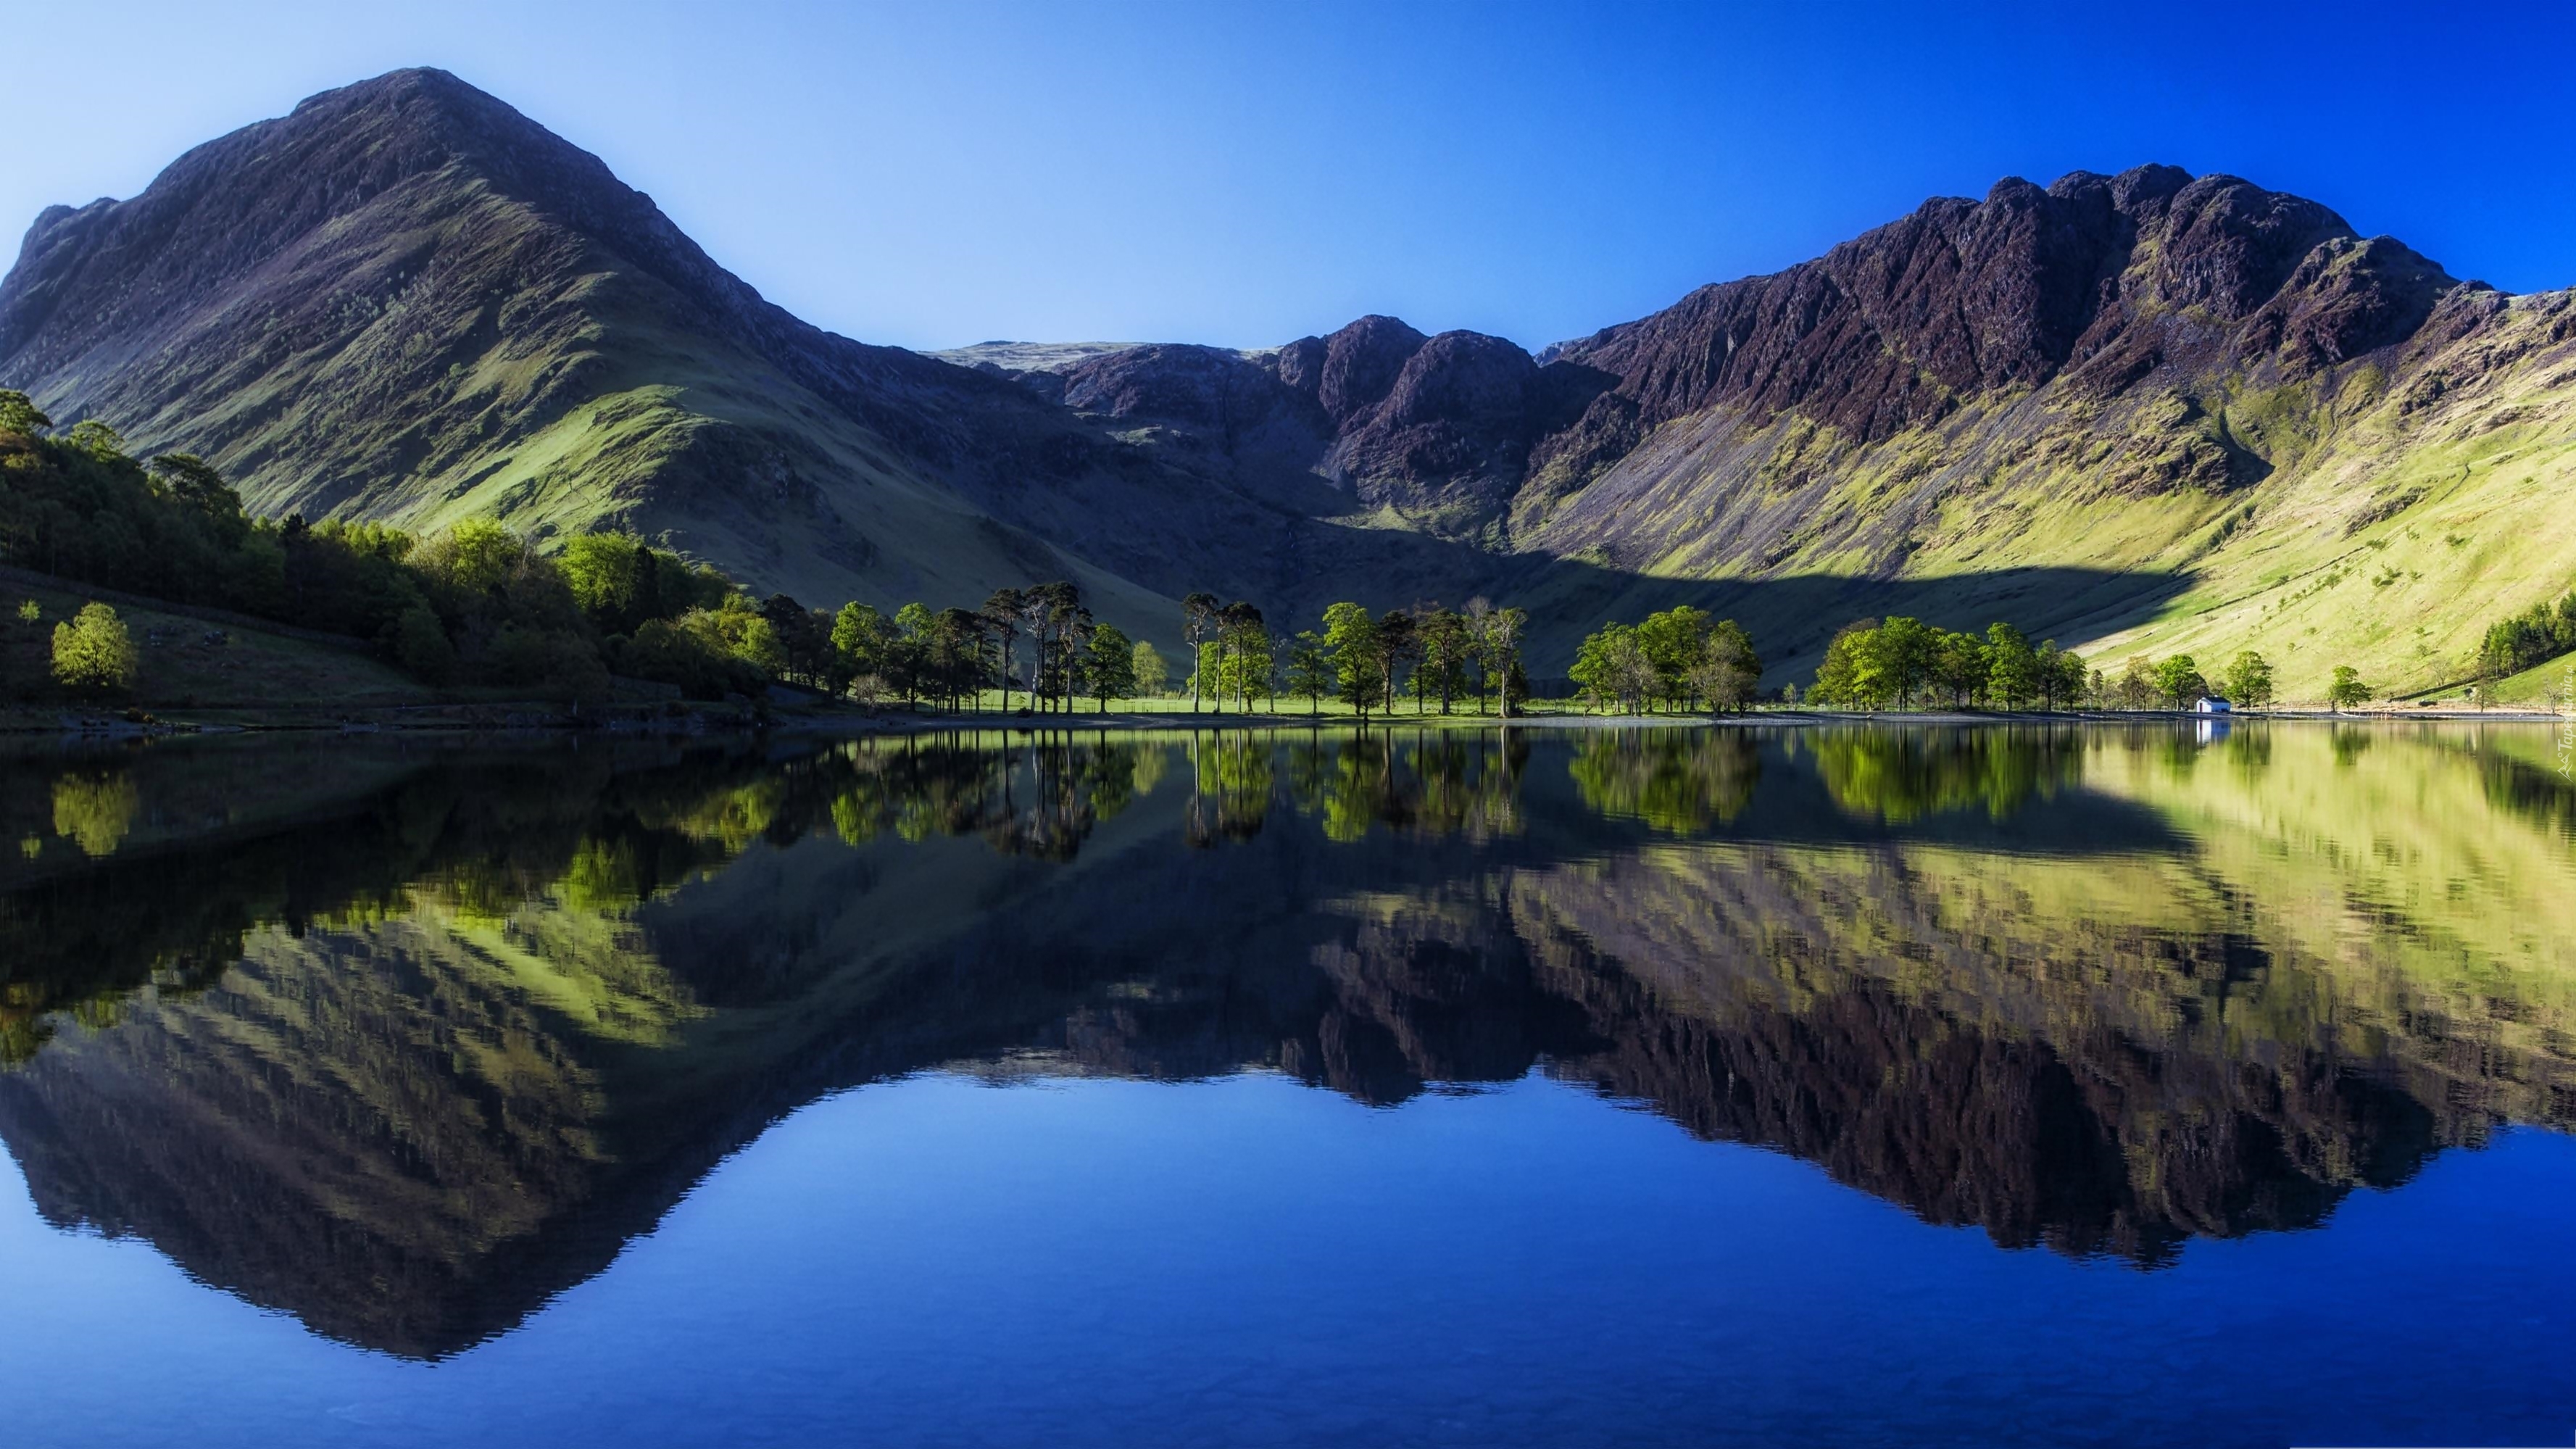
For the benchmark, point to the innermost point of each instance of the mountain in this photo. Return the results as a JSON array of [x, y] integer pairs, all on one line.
[[2147, 411]]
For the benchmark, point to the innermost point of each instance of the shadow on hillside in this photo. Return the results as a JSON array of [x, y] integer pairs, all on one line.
[[1791, 618]]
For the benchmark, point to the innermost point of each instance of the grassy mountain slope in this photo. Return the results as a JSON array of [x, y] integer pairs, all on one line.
[[2138, 413], [406, 302]]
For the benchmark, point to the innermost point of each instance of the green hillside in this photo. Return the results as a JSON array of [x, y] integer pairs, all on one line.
[[2139, 414]]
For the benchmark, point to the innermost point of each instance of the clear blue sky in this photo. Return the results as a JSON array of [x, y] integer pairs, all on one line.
[[1245, 173]]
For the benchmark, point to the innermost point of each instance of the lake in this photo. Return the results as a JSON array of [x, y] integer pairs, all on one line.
[[2015, 1084]]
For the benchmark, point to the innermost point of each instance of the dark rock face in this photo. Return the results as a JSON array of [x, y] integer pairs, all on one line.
[[2112, 277], [1438, 427], [2101, 281], [1361, 365]]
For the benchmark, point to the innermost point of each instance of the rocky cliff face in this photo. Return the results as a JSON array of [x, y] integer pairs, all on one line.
[[2103, 282], [2107, 284], [1437, 430]]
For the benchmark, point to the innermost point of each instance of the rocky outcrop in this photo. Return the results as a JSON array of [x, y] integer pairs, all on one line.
[[1438, 429], [2106, 278]]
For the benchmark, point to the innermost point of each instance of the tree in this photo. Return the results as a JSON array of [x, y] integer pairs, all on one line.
[[907, 654], [1399, 644], [1310, 668], [1727, 671], [2178, 680], [1674, 641], [1243, 661], [1003, 609], [1839, 676], [1500, 632], [193, 482], [1056, 621], [2248, 681], [1613, 669], [1959, 668], [93, 653], [616, 579], [420, 645], [1152, 674], [2136, 689], [1353, 640], [861, 637], [1901, 659], [2060, 675], [18, 413], [2012, 666], [97, 439], [804, 639], [1448, 646], [2534, 636], [1110, 666], [2347, 690], [1198, 616]]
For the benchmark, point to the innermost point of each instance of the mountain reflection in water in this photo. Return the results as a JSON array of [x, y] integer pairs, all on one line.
[[404, 1038]]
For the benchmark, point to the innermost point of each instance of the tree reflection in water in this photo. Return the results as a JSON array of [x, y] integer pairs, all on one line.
[[402, 1038]]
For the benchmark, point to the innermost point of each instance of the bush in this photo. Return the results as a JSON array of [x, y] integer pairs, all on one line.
[[418, 643], [93, 653]]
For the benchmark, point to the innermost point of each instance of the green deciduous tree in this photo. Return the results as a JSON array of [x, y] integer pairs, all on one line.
[[2012, 666], [2060, 675], [2248, 681], [1613, 669], [1359, 672], [2178, 681], [1727, 671], [1959, 669], [1152, 674], [2137, 688], [93, 652], [1498, 634], [1448, 650], [19, 414], [2347, 690], [1675, 641], [1839, 680], [1310, 668], [1109, 664]]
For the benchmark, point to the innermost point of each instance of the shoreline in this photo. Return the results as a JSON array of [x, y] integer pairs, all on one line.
[[521, 718]]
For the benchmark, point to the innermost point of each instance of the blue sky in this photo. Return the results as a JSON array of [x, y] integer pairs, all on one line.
[[1237, 173]]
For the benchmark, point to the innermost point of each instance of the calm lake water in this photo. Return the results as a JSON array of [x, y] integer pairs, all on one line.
[[2004, 1085]]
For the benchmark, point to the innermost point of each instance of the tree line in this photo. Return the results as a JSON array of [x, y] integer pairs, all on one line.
[[953, 655], [1678, 658], [1896, 662], [1900, 663], [2534, 636]]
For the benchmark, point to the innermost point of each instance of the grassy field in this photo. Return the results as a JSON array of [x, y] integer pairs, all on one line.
[[188, 663]]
